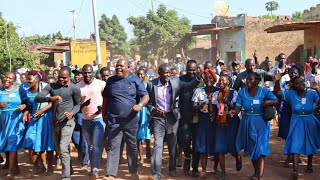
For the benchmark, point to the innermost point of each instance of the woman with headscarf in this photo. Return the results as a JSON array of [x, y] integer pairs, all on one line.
[[12, 130], [38, 139], [202, 100], [225, 127], [304, 132], [254, 131]]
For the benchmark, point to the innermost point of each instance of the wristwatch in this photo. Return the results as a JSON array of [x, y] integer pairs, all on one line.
[[140, 104]]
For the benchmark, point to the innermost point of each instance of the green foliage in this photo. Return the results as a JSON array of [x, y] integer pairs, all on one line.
[[272, 6], [297, 16], [114, 34], [268, 16], [11, 46], [37, 39], [162, 34]]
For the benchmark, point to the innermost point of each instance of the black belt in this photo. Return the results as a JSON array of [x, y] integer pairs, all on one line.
[[163, 114]]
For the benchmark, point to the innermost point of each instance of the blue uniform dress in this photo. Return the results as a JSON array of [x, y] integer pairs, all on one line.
[[304, 132], [253, 134], [39, 135], [144, 132], [205, 133], [225, 137], [12, 130], [143, 128], [284, 115]]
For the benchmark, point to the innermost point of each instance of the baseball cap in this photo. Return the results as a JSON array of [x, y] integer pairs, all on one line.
[[178, 56], [77, 71], [314, 61], [221, 61], [234, 63]]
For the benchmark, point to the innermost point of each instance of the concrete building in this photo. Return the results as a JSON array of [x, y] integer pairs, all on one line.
[[310, 27], [237, 38]]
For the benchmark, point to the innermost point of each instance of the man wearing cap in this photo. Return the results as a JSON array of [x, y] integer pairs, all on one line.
[[313, 76], [236, 66], [77, 75], [220, 67], [179, 64]]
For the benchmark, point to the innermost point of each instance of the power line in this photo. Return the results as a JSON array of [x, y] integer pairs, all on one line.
[[75, 22]]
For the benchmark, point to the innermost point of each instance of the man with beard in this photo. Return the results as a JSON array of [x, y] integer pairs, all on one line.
[[186, 111], [65, 98], [165, 116], [93, 126], [250, 65], [120, 108]]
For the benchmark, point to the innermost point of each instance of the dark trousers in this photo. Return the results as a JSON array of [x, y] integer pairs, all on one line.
[[184, 137], [113, 149], [195, 154], [164, 127]]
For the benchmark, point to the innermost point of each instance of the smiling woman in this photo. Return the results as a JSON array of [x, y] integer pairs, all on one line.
[[12, 128]]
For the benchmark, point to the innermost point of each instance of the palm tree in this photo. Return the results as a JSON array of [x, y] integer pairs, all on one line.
[[272, 6]]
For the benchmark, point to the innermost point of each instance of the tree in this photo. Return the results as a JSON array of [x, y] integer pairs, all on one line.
[[114, 34], [272, 6], [160, 35], [12, 48], [37, 39], [297, 16]]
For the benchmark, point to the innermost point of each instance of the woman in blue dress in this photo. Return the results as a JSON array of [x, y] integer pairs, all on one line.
[[225, 127], [39, 138], [12, 129], [143, 133], [284, 111], [304, 133], [202, 100], [253, 134]]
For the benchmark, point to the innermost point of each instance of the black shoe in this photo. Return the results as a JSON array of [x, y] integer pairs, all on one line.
[[239, 163], [309, 170], [195, 174], [186, 165], [173, 173]]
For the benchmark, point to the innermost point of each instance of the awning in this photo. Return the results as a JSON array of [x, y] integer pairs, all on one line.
[[214, 30], [292, 26]]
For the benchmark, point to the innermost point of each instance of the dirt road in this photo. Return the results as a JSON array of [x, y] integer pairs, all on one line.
[[274, 169]]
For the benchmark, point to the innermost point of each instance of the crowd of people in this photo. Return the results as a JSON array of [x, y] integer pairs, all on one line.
[[200, 110]]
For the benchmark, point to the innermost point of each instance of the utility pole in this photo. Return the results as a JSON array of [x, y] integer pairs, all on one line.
[[152, 6], [73, 25], [96, 30]]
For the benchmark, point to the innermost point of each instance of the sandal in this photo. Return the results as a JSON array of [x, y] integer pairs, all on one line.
[[239, 163]]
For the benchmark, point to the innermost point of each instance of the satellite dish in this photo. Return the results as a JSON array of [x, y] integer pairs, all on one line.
[[221, 8]]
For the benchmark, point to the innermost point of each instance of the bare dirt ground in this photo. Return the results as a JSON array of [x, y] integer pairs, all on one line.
[[274, 169]]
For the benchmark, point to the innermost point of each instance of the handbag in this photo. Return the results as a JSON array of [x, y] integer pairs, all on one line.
[[269, 113]]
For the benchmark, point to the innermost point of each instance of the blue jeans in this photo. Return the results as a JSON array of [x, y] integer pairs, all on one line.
[[93, 130]]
